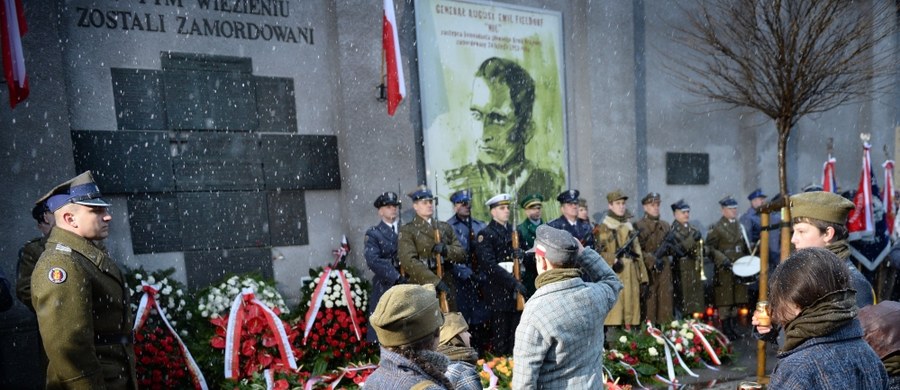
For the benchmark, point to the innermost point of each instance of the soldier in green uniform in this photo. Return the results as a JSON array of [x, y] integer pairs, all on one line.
[[417, 247], [79, 296], [533, 205], [687, 262], [652, 232], [31, 252], [726, 242]]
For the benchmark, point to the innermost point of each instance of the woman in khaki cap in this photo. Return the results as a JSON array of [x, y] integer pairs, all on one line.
[[407, 321]]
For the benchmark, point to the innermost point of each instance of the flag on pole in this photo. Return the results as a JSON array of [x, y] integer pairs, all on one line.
[[829, 182], [396, 84], [887, 195], [860, 222], [12, 28]]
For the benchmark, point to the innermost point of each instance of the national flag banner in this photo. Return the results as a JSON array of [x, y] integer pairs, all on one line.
[[887, 196], [12, 28], [396, 84], [860, 222], [829, 182]]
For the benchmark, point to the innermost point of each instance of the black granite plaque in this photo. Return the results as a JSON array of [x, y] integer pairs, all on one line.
[[138, 99], [125, 161], [223, 219], [206, 62], [687, 168], [208, 267], [218, 161], [301, 162], [275, 105], [209, 100], [287, 218], [154, 221]]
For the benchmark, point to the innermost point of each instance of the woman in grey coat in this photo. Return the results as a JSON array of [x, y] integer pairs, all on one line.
[[810, 296]]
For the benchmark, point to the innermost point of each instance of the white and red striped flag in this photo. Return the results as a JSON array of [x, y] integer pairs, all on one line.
[[396, 84], [12, 28], [887, 195], [860, 222], [829, 182]]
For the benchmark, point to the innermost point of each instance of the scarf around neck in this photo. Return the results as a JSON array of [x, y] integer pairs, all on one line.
[[840, 248], [824, 316], [556, 275], [459, 353]]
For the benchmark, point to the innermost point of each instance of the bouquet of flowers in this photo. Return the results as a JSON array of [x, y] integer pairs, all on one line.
[[160, 364], [495, 372], [215, 301], [334, 321]]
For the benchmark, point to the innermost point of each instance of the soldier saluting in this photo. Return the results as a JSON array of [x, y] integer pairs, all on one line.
[[79, 295], [417, 247]]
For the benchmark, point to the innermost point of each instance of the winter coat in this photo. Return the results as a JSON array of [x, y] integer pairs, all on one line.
[[725, 244], [397, 372], [686, 269], [418, 263], [611, 236], [660, 298], [839, 360], [381, 257], [559, 341]]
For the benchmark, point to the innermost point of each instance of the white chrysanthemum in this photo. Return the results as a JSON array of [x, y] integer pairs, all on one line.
[[167, 290], [679, 348], [652, 351], [674, 324], [179, 292], [689, 335], [138, 276], [623, 339], [328, 304], [206, 314]]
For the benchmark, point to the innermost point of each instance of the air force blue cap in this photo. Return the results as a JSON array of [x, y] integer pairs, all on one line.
[[79, 190], [728, 202], [463, 196], [387, 199], [421, 193], [570, 196], [680, 205], [757, 193]]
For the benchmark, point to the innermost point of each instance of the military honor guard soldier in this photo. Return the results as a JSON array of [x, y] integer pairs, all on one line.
[[652, 234], [568, 221], [499, 291], [726, 242], [624, 255], [468, 282], [79, 295], [381, 252], [533, 206], [687, 262], [417, 247]]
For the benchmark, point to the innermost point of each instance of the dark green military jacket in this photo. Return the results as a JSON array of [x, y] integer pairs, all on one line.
[[416, 260], [28, 257], [83, 315], [686, 271], [725, 244]]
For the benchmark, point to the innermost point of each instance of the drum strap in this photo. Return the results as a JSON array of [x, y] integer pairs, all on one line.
[[744, 234]]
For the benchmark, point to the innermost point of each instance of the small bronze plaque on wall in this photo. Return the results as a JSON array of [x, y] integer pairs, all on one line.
[[687, 168]]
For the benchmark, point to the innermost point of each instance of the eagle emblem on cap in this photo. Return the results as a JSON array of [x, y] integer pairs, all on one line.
[[57, 275]]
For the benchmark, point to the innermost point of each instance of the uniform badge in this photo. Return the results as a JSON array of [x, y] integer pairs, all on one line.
[[57, 275]]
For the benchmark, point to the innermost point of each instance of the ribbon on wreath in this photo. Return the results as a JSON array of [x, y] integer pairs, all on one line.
[[315, 303], [698, 329], [235, 325], [148, 302], [669, 348], [493, 377], [332, 380]]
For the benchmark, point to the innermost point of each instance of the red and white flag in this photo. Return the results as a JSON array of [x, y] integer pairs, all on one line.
[[887, 196], [396, 84], [829, 182], [860, 222], [12, 28]]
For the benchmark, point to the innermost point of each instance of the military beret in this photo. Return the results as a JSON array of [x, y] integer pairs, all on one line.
[[757, 193], [406, 313], [556, 245], [454, 324], [420, 193], [79, 190], [615, 195], [463, 196], [728, 202], [824, 206], [680, 205], [570, 196], [531, 200], [387, 199], [651, 197], [499, 200]]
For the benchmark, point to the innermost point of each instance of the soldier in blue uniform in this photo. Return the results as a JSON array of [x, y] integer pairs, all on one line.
[[468, 294], [495, 246], [568, 221], [381, 252]]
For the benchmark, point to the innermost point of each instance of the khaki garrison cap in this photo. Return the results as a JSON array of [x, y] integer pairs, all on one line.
[[824, 206]]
